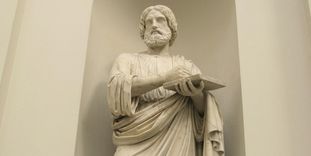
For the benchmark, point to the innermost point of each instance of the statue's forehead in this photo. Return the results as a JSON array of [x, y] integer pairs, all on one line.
[[153, 14]]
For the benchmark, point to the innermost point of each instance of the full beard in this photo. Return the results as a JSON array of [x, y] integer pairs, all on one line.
[[157, 40]]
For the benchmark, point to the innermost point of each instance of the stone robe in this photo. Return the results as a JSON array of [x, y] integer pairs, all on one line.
[[160, 122]]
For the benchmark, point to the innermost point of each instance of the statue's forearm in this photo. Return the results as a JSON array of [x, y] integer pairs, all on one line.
[[198, 102], [143, 85]]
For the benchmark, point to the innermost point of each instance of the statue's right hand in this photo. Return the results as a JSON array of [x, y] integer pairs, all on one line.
[[176, 73]]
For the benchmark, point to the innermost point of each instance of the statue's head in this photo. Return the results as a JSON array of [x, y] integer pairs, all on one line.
[[158, 26]]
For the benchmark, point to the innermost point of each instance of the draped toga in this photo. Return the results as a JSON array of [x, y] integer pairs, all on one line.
[[160, 122]]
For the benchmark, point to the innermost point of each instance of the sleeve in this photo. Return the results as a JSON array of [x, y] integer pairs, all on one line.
[[120, 100]]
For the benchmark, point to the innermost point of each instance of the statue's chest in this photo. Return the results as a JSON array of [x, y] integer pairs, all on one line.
[[151, 65]]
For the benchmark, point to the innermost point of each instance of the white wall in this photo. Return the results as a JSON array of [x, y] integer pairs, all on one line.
[[275, 60], [45, 79], [207, 35], [7, 15]]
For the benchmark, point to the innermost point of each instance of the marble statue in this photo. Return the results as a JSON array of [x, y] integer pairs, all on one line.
[[150, 120]]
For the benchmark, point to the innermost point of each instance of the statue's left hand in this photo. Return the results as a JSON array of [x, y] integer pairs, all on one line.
[[186, 88]]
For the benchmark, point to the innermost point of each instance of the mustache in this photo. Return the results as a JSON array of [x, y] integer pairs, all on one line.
[[156, 31]]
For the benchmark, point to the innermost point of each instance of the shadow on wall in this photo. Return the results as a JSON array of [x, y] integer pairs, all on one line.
[[96, 125]]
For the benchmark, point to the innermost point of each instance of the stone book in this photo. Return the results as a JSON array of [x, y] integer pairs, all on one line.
[[210, 83]]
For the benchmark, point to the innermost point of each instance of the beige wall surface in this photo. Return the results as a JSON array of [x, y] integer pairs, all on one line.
[[45, 82], [207, 35], [275, 60], [7, 16]]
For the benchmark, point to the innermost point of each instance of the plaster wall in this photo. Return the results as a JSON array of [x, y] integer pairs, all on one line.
[[44, 79], [7, 16], [275, 60]]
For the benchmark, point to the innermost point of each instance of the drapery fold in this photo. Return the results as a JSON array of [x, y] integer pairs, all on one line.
[[150, 121], [120, 99], [213, 134], [168, 124], [147, 122]]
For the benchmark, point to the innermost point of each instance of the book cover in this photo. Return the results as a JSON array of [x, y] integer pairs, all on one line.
[[209, 82]]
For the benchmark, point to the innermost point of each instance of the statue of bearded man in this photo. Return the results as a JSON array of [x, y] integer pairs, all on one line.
[[150, 120]]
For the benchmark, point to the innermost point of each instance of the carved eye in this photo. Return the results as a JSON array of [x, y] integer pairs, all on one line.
[[148, 21], [161, 19]]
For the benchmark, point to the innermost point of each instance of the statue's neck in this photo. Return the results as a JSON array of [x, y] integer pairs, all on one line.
[[163, 50]]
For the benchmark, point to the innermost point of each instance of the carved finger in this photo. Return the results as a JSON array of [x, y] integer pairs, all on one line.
[[184, 87], [191, 86], [178, 88], [186, 71], [180, 85], [201, 85], [184, 75]]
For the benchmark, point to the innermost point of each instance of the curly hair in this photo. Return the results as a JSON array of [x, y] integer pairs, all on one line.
[[167, 12]]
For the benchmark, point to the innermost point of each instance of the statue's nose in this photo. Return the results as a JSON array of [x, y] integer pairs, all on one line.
[[155, 25]]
